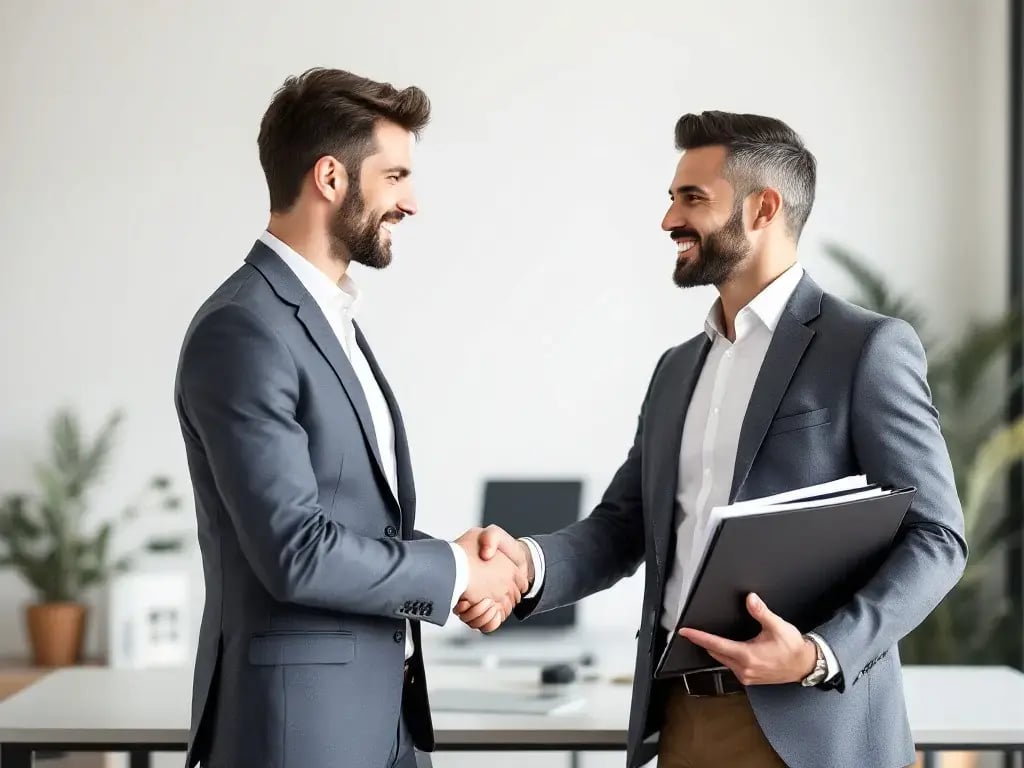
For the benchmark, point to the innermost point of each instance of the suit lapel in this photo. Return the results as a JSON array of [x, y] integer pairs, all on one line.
[[665, 437], [406, 486], [789, 342], [289, 288], [325, 340]]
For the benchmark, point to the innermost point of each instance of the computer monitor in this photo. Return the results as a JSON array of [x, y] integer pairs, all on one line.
[[525, 507]]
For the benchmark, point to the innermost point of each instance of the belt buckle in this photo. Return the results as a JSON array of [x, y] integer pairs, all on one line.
[[719, 688]]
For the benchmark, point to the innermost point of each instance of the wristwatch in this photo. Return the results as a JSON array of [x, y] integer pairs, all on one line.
[[817, 675]]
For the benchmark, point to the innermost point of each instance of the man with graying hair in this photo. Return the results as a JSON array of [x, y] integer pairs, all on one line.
[[787, 386]]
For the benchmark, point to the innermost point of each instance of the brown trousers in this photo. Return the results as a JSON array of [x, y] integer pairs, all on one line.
[[712, 732]]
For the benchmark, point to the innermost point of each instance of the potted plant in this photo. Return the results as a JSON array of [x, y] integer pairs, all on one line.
[[46, 539], [974, 623]]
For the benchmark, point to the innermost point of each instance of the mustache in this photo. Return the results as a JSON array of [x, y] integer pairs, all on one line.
[[392, 218], [681, 233]]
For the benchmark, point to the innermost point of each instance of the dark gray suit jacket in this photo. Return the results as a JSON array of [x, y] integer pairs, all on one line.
[[312, 566], [842, 391]]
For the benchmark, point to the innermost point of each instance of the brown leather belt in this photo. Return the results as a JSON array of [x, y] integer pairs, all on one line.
[[712, 681], [716, 681]]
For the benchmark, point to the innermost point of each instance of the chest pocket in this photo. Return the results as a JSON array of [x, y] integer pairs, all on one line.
[[797, 421]]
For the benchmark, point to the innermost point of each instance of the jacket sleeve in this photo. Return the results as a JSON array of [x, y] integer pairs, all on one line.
[[897, 441], [238, 395]]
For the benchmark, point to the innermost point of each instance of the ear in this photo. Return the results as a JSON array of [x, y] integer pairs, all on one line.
[[769, 208], [330, 179]]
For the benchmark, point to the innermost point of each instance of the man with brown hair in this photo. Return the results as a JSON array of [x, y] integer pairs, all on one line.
[[315, 576], [786, 386]]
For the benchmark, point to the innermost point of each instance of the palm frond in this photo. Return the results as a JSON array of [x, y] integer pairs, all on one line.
[[66, 444], [983, 344], [53, 486], [96, 458], [15, 520], [100, 545], [999, 452], [875, 294], [37, 570]]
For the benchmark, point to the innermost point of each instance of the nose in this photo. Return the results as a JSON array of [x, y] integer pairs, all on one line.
[[674, 218], [408, 205]]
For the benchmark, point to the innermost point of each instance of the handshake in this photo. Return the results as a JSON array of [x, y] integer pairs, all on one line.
[[500, 573]]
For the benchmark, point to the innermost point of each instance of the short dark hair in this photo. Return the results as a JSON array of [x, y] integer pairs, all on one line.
[[760, 152], [329, 112]]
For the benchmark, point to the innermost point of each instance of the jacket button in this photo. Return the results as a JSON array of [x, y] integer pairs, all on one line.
[[391, 531], [399, 636]]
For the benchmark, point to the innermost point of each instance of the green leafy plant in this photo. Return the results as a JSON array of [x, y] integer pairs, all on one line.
[[45, 537], [974, 623]]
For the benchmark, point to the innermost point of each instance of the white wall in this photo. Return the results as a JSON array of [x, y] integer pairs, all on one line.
[[531, 297]]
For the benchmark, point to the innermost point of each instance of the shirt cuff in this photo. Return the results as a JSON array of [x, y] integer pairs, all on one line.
[[461, 573], [537, 555], [831, 663]]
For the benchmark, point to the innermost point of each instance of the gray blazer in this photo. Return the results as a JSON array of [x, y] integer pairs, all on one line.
[[842, 391], [311, 564]]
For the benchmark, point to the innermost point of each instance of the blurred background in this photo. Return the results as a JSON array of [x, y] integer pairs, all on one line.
[[532, 295]]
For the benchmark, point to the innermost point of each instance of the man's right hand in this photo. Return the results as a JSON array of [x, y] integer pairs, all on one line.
[[496, 582], [493, 544]]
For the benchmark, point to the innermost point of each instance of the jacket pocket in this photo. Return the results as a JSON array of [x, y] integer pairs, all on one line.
[[296, 647], [800, 421]]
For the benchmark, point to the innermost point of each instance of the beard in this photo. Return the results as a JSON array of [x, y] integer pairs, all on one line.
[[718, 255], [357, 240]]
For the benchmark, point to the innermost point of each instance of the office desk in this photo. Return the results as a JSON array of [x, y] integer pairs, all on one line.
[[81, 709]]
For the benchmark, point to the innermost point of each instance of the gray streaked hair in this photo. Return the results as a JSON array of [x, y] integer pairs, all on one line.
[[760, 152]]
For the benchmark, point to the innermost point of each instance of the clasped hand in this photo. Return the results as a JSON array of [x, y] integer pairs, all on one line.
[[779, 653], [500, 573]]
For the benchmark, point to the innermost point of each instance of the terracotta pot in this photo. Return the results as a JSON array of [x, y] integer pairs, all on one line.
[[959, 760], [952, 760], [55, 631]]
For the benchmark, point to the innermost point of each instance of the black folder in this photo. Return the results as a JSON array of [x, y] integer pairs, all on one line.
[[805, 563]]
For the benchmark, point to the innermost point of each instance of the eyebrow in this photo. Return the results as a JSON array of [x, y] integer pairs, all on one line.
[[688, 189], [401, 170]]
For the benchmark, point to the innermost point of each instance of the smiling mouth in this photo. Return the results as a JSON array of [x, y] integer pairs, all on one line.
[[683, 246], [389, 221]]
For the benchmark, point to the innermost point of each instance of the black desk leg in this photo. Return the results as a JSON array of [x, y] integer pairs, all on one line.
[[15, 756], [137, 758]]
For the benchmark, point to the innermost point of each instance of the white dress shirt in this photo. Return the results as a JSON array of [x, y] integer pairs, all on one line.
[[339, 302], [711, 432]]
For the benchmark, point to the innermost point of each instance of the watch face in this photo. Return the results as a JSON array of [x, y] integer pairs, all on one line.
[[815, 677]]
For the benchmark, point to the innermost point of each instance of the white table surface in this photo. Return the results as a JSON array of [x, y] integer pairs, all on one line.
[[949, 707]]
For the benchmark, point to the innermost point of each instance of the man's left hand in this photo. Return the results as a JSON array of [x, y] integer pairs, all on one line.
[[779, 654]]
